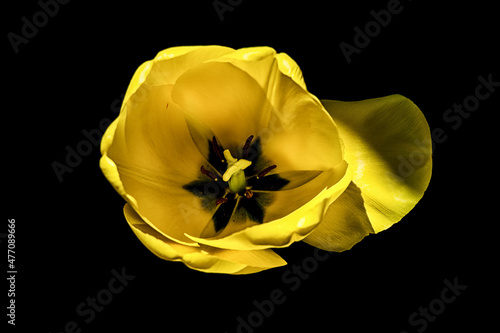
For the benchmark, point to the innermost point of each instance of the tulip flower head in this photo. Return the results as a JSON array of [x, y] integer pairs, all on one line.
[[222, 155]]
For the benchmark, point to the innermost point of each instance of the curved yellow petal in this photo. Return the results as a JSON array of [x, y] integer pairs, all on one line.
[[294, 112], [108, 136], [345, 223], [137, 79], [289, 67], [171, 63], [226, 99], [177, 51], [388, 144], [205, 259], [302, 215], [110, 171], [249, 54], [258, 62], [149, 155], [262, 62], [301, 135]]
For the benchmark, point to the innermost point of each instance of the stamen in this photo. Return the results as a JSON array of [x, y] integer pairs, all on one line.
[[247, 145], [217, 149], [208, 173], [220, 201], [265, 171], [248, 194]]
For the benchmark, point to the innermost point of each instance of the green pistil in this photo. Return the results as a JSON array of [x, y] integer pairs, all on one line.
[[234, 175]]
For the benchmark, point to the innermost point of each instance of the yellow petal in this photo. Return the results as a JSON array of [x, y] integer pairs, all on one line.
[[171, 63], [289, 67], [388, 144], [248, 54], [110, 171], [344, 224], [258, 62], [262, 63], [226, 99], [295, 216], [150, 158], [301, 134], [205, 259], [177, 51], [295, 111], [137, 79]]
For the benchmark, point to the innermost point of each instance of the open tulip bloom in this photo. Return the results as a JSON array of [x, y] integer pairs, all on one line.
[[223, 155]]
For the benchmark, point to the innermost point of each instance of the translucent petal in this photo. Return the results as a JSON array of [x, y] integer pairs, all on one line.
[[388, 144], [300, 135], [344, 224]]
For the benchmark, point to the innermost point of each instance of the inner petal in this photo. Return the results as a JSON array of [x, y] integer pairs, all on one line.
[[302, 134], [225, 98]]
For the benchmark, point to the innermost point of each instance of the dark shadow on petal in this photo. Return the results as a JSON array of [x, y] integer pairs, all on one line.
[[345, 223], [224, 212], [207, 191], [267, 183], [216, 155], [252, 209], [254, 155]]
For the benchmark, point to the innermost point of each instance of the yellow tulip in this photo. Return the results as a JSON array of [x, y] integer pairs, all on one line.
[[222, 155]]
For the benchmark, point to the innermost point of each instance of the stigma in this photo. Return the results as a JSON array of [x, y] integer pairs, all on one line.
[[234, 175]]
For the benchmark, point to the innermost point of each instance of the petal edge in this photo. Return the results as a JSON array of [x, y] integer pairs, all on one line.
[[388, 143]]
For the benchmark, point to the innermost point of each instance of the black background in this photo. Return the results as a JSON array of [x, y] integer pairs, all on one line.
[[72, 234]]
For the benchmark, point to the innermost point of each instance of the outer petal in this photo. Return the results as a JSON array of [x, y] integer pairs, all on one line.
[[262, 63], [205, 259], [258, 62], [107, 165], [344, 224], [148, 155], [388, 144], [137, 79], [289, 67], [297, 224], [171, 63]]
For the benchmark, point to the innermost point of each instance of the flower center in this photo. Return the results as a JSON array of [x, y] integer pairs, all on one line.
[[234, 175], [235, 189]]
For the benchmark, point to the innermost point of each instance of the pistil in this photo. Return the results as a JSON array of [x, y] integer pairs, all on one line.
[[234, 175]]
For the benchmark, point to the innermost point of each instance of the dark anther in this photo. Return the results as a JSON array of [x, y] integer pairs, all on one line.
[[265, 171], [247, 145], [217, 149], [208, 173], [220, 201], [248, 194]]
